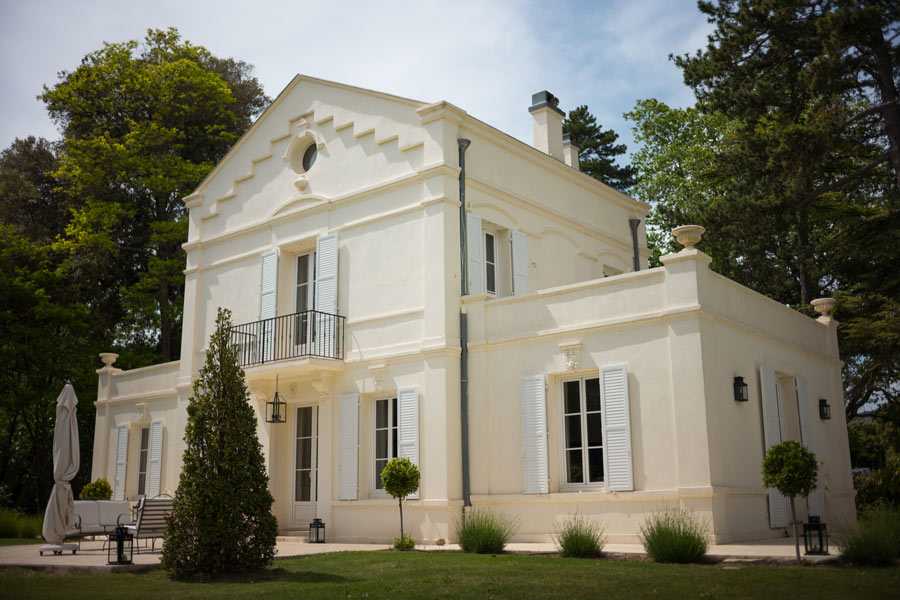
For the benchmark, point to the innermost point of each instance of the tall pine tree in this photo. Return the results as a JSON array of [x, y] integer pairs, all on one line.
[[597, 149], [222, 521]]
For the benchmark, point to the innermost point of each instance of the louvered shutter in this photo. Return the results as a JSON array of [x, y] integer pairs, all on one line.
[[813, 501], [326, 295], [616, 428], [521, 264], [348, 460], [475, 253], [121, 462], [534, 435], [779, 508], [268, 289], [408, 427], [155, 456]]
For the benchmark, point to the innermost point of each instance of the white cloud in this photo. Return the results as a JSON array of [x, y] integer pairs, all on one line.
[[486, 57]]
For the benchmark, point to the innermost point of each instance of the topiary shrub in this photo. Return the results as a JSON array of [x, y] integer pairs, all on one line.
[[400, 478], [484, 532], [98, 490], [875, 541], [675, 536], [222, 520], [792, 470], [580, 537]]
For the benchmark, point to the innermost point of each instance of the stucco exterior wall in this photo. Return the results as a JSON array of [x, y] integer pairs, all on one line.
[[386, 182]]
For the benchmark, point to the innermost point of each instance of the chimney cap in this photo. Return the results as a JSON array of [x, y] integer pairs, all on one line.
[[567, 140], [545, 99]]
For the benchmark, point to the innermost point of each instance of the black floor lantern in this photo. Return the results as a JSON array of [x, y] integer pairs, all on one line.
[[815, 536], [120, 549], [317, 532]]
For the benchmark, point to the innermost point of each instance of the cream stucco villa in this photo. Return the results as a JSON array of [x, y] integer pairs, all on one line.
[[534, 365]]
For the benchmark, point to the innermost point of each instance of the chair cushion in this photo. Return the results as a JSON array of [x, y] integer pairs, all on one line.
[[110, 510]]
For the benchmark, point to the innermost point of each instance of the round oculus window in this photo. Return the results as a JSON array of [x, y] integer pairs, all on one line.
[[309, 157]]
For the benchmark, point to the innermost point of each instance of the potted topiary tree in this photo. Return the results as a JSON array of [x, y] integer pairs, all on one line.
[[98, 490], [791, 469], [401, 478]]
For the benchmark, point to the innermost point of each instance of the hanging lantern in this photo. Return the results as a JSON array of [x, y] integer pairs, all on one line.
[[276, 408]]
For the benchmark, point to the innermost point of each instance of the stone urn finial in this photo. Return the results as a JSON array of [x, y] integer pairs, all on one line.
[[688, 235], [824, 306], [108, 358]]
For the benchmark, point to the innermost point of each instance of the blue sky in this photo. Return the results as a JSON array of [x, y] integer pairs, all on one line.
[[485, 56]]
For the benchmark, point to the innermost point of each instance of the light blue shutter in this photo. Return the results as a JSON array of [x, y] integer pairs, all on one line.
[[534, 435], [521, 264], [268, 289], [408, 427], [806, 410], [121, 462], [326, 296], [779, 508], [155, 456], [475, 253], [616, 428], [348, 460]]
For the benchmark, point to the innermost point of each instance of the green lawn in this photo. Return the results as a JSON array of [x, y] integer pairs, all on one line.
[[455, 575], [20, 541]]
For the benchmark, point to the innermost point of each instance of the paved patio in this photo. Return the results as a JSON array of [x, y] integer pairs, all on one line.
[[93, 557]]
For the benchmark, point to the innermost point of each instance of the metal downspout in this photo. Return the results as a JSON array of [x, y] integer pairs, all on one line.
[[634, 241], [463, 327]]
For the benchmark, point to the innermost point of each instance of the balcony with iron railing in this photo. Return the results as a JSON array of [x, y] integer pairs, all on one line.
[[304, 335]]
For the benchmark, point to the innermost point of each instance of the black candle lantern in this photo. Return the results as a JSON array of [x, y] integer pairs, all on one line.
[[120, 547], [740, 390], [815, 536], [276, 411], [824, 409], [317, 532]]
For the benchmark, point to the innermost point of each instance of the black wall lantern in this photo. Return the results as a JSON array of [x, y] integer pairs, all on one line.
[[815, 536], [824, 409], [120, 547], [276, 408], [740, 390], [317, 532]]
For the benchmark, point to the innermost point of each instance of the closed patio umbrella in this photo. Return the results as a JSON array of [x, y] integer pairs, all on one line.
[[66, 457]]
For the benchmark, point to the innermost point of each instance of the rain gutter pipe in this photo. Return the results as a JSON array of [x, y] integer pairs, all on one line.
[[634, 242], [463, 327]]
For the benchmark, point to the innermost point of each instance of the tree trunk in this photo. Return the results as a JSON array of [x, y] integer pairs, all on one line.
[[400, 502], [884, 80], [796, 533]]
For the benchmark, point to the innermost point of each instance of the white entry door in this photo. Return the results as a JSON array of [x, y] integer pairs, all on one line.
[[306, 465]]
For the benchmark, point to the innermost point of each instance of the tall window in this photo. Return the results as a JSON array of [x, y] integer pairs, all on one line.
[[385, 436], [583, 431], [304, 296], [490, 262], [305, 467], [143, 453]]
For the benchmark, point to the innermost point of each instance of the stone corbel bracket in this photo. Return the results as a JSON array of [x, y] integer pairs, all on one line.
[[571, 354], [378, 373], [323, 386]]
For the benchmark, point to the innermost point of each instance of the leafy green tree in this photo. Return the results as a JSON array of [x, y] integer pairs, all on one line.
[[597, 149], [792, 470], [222, 521], [401, 478], [142, 125], [29, 194], [45, 339]]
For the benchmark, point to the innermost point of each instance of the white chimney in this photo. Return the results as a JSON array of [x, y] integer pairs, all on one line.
[[547, 124], [570, 151]]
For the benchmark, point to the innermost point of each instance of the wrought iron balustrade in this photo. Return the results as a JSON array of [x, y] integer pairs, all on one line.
[[304, 334]]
